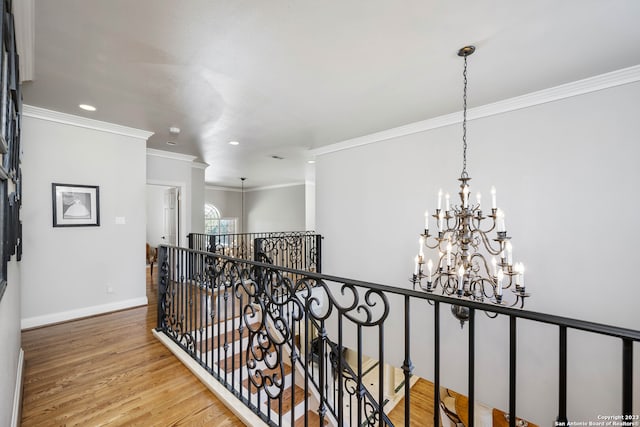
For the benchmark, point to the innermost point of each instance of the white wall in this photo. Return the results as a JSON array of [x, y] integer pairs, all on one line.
[[283, 208], [11, 341], [228, 202], [66, 272], [198, 197], [566, 174], [155, 213], [275, 209], [310, 205], [178, 170]]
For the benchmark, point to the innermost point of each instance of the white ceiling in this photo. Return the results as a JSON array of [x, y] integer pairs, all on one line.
[[286, 76]]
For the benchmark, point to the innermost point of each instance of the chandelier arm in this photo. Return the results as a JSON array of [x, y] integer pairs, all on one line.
[[489, 247], [476, 290], [436, 243], [521, 297], [446, 222], [493, 224], [486, 266], [447, 287], [440, 260], [483, 281], [509, 274], [516, 301]]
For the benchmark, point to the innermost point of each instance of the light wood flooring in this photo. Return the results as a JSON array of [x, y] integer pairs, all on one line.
[[421, 406], [109, 370]]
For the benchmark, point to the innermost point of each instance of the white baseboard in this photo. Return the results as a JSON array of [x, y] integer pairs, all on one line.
[[226, 397], [63, 316], [17, 394]]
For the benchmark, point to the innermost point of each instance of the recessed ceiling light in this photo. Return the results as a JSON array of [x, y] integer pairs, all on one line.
[[87, 107], [171, 143], [234, 143], [174, 130], [311, 161]]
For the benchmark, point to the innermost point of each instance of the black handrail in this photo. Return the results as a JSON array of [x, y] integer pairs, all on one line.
[[367, 295], [300, 250]]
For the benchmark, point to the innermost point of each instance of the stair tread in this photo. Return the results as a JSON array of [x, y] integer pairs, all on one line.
[[286, 369], [232, 362], [230, 336], [218, 340], [286, 399], [313, 420]]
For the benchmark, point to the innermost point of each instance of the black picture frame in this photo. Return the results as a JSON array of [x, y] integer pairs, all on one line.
[[75, 205], [10, 151]]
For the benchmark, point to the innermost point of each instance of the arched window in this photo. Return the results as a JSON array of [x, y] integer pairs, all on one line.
[[215, 224]]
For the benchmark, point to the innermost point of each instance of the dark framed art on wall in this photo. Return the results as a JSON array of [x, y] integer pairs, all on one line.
[[10, 150], [75, 205]]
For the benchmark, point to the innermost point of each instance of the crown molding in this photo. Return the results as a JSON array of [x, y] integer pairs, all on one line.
[[248, 190], [273, 187], [171, 155], [83, 122], [568, 90], [199, 165], [219, 188], [23, 12]]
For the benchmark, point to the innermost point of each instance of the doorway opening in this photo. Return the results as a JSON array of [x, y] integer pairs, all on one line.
[[163, 215]]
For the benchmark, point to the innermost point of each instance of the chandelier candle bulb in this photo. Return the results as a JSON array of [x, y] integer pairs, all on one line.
[[517, 267], [509, 253], [460, 280], [493, 197], [421, 249], [479, 199], [500, 221], [430, 268], [439, 199], [495, 266], [440, 222], [446, 202], [416, 270], [520, 276], [426, 222], [500, 277], [449, 247]]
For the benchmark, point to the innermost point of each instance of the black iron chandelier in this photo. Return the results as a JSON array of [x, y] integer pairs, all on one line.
[[469, 264]]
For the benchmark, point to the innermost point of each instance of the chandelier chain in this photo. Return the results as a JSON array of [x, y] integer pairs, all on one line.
[[464, 122]]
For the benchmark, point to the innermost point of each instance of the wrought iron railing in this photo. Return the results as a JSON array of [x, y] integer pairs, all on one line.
[[258, 332], [299, 250], [262, 333]]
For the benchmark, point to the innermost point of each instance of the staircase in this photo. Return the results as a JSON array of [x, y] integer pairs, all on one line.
[[260, 333], [256, 369]]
